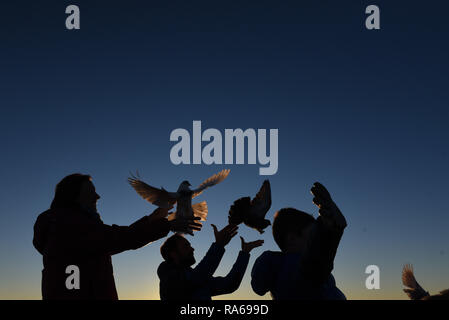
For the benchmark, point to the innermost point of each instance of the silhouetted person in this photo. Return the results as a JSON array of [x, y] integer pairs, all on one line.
[[302, 270], [72, 233], [179, 281]]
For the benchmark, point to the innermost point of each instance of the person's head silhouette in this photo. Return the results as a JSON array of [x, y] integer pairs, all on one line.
[[74, 191], [291, 229], [178, 250]]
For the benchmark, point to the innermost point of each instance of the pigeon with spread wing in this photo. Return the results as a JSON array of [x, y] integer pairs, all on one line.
[[182, 198], [252, 212], [415, 291]]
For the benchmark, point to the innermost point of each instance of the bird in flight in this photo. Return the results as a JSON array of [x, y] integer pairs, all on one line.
[[252, 212], [415, 291], [182, 197]]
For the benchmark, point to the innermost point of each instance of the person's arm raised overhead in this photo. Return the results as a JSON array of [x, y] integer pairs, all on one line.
[[331, 215], [231, 282], [206, 268], [325, 237]]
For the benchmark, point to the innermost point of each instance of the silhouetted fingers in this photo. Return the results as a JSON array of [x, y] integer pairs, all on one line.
[[159, 213], [318, 201], [232, 234], [318, 186], [231, 228], [325, 212], [256, 243], [243, 241], [195, 226], [320, 191], [192, 222], [215, 228]]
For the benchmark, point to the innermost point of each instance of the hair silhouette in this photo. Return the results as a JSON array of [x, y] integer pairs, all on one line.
[[289, 220], [68, 190], [169, 245]]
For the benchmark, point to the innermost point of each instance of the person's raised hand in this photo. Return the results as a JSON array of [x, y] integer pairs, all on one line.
[[322, 197], [327, 207], [225, 235], [248, 246], [185, 225]]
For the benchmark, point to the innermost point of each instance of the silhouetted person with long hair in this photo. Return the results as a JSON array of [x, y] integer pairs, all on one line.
[[302, 270], [71, 233], [179, 281]]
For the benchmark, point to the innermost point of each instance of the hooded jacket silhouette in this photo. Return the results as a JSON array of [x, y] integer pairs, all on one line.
[[72, 236]]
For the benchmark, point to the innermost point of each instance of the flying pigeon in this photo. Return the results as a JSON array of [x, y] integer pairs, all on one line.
[[415, 291], [252, 212], [182, 198]]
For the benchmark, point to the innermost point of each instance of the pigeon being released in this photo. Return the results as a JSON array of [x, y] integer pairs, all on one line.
[[252, 212], [182, 198]]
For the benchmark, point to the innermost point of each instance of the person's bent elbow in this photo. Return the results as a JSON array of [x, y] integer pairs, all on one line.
[[260, 290]]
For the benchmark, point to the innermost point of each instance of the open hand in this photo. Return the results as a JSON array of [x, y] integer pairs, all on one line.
[[327, 207], [248, 246], [225, 235], [185, 225]]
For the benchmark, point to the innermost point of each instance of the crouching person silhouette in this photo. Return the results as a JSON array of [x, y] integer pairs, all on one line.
[[179, 281], [71, 233], [302, 270]]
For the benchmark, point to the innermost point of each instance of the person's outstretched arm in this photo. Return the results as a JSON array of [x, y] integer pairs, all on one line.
[[231, 282], [58, 233], [143, 231], [207, 266]]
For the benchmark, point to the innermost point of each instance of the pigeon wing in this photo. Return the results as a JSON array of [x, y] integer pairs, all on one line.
[[159, 197], [215, 179], [408, 279], [200, 210], [262, 202]]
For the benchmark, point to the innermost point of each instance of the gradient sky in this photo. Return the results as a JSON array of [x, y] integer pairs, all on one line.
[[364, 112]]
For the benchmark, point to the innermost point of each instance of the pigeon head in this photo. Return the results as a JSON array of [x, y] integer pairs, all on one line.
[[262, 225], [184, 186]]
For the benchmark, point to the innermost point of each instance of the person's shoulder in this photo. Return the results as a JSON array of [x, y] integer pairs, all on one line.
[[162, 269], [270, 255], [263, 269], [166, 269], [46, 213], [69, 219], [45, 217], [58, 212]]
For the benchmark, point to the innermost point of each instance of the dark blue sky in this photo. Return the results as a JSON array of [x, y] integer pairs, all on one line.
[[364, 112]]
